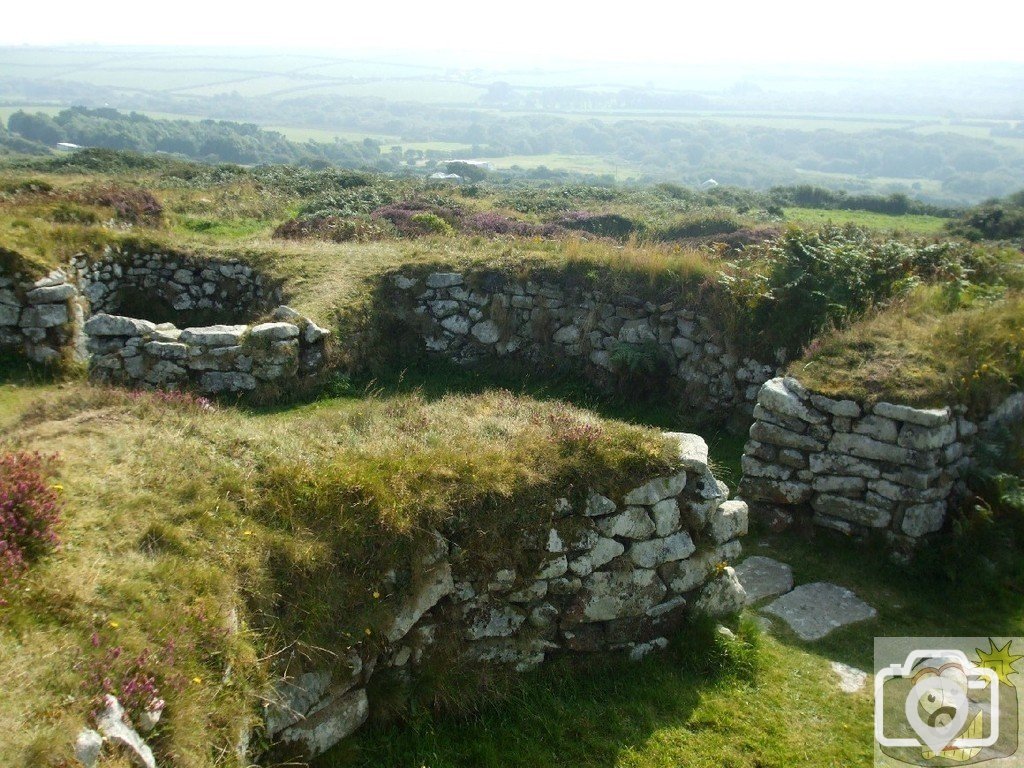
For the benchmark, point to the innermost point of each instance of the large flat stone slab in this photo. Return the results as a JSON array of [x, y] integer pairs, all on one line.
[[813, 611], [763, 577]]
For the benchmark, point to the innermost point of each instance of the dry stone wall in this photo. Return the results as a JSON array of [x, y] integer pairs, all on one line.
[[41, 318], [175, 286], [213, 359], [606, 574], [469, 317], [61, 317], [856, 467]]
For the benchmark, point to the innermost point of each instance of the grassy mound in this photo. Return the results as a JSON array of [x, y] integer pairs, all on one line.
[[199, 543]]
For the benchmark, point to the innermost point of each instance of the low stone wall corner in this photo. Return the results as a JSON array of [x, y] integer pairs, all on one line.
[[856, 467]]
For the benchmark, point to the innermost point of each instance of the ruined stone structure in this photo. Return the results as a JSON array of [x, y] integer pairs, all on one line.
[[606, 574], [65, 316]]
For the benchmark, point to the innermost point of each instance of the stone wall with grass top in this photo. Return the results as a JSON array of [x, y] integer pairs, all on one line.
[[853, 466], [603, 574], [468, 317], [42, 317], [212, 359]]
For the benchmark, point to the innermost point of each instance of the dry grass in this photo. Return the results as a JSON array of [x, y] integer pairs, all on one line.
[[917, 351]]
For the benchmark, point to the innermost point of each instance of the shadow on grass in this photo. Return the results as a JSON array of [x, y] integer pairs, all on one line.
[[911, 600], [582, 711], [16, 369]]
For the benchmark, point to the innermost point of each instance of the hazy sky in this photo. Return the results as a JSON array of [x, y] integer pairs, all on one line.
[[537, 30]]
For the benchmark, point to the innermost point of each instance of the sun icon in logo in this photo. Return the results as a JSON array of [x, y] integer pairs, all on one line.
[[999, 660]]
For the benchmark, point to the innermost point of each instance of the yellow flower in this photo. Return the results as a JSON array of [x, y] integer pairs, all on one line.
[[197, 680], [114, 625], [368, 631], [58, 487], [376, 595], [247, 533]]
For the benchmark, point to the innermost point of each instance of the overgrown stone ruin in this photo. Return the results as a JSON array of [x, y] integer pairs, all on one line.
[[79, 315], [603, 575], [849, 466]]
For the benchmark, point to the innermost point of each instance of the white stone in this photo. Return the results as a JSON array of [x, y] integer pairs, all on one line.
[[640, 650], [555, 542], [851, 679], [815, 610], [110, 722], [921, 519], [692, 451], [494, 621], [211, 335], [456, 324], [843, 408], [925, 417], [854, 511], [553, 568], [429, 586], [598, 505], [340, 718], [51, 294], [721, 596], [632, 523], [877, 428], [778, 398], [655, 552], [444, 279], [620, 594], [666, 517], [568, 334], [44, 316], [729, 521], [274, 331], [486, 332], [657, 489], [88, 745], [292, 698]]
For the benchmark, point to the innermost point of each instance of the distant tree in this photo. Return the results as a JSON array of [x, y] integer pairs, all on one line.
[[37, 127], [468, 171]]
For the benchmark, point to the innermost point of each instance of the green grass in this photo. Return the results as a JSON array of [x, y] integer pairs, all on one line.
[[907, 224]]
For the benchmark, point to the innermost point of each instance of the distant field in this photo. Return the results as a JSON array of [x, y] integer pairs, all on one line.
[[915, 225], [578, 163]]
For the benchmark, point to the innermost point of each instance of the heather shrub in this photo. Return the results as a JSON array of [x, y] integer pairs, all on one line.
[[701, 223], [29, 512], [135, 206], [418, 219], [601, 224], [493, 224], [337, 229]]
